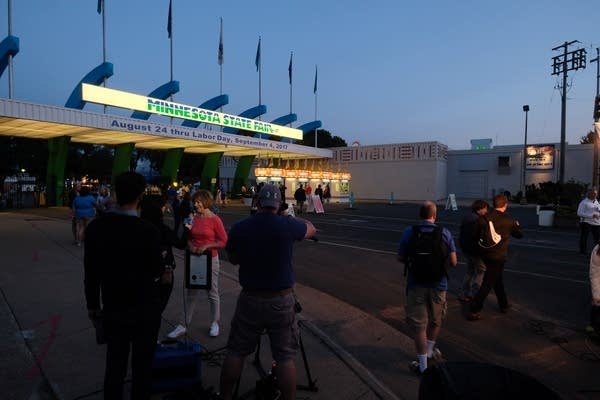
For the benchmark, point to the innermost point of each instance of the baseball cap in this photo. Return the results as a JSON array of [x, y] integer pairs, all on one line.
[[269, 196]]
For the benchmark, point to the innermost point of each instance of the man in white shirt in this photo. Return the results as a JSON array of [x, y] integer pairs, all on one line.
[[589, 214]]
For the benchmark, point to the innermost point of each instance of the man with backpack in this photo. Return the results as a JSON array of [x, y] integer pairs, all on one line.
[[426, 250], [495, 229]]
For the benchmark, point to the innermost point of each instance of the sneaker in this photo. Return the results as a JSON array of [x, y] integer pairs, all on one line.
[[178, 331], [415, 368], [214, 330], [436, 355]]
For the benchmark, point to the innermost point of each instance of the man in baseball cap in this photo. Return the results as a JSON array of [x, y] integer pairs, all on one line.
[[262, 245], [269, 197]]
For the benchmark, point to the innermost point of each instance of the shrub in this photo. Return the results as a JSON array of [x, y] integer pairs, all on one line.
[[568, 194]]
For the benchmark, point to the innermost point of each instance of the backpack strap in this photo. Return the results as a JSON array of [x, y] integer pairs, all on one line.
[[416, 229]]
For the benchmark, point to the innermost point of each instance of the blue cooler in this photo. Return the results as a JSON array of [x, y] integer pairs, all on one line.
[[176, 366]]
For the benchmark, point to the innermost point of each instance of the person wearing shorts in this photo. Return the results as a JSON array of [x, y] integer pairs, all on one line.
[[262, 246], [426, 302]]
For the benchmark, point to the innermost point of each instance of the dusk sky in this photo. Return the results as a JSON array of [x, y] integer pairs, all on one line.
[[389, 71]]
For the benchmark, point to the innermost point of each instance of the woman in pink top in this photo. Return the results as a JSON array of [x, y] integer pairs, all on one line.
[[206, 232]]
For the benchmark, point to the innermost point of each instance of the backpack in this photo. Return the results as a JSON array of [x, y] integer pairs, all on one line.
[[426, 255], [488, 237]]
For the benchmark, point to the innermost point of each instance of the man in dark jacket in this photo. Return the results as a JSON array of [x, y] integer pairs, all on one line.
[[123, 265], [300, 197], [469, 230], [494, 257]]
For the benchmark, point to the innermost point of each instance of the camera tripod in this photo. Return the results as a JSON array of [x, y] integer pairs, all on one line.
[[266, 387]]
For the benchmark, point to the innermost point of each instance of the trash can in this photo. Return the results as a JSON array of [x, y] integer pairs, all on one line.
[[546, 218]]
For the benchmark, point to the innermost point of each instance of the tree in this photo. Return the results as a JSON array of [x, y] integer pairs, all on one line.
[[18, 153], [324, 139], [589, 138]]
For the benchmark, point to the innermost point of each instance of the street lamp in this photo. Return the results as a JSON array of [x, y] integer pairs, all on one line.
[[524, 184]]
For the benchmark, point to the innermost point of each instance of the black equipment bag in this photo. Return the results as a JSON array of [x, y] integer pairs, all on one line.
[[176, 366]]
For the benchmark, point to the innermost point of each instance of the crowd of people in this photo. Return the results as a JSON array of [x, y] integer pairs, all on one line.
[[129, 267], [128, 278], [428, 250]]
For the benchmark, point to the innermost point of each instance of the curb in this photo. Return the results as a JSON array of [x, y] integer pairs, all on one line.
[[380, 390]]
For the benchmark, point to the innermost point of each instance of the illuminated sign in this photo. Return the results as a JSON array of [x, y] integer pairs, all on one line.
[[118, 98], [540, 157]]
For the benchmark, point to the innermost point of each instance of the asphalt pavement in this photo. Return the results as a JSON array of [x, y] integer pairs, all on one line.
[[48, 347]]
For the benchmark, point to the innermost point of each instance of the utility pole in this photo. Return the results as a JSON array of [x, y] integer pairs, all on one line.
[[523, 181], [567, 61], [596, 117]]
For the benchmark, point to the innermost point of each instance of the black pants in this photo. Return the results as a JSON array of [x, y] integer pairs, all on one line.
[[595, 318], [583, 238], [125, 332], [492, 279]]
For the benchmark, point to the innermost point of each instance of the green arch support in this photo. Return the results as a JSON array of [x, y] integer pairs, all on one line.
[[58, 148]]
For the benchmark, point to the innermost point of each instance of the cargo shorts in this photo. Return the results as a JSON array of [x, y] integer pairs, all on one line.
[[425, 306], [275, 316]]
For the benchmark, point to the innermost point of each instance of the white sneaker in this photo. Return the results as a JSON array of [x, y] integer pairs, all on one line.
[[214, 330], [178, 331]]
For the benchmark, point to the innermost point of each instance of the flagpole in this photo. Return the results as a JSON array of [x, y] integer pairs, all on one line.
[[10, 57], [315, 92], [170, 31], [291, 81], [103, 4], [220, 60], [171, 39], [259, 67], [104, 34]]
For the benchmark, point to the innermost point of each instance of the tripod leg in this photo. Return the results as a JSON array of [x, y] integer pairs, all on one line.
[[311, 384], [261, 372]]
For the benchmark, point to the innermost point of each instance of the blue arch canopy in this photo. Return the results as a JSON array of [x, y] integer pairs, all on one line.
[[283, 120], [211, 104], [162, 92], [8, 47], [249, 113], [94, 77]]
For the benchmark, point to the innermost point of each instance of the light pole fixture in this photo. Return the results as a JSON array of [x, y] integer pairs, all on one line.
[[523, 183]]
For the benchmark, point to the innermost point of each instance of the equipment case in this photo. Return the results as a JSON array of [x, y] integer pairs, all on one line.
[[176, 366]]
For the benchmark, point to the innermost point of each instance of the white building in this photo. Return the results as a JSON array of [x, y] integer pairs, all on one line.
[[428, 170]]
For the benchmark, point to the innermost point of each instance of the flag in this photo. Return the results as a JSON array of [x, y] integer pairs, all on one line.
[[100, 6], [257, 60], [315, 87], [220, 56], [170, 21], [290, 67]]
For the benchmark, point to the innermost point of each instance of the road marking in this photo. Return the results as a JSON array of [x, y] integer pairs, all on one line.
[[535, 274], [546, 276], [357, 247]]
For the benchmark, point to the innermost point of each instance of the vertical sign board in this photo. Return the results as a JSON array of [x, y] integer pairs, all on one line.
[[318, 205], [451, 202], [198, 270]]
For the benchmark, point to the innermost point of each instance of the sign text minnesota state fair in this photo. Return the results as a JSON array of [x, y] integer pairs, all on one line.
[[118, 98]]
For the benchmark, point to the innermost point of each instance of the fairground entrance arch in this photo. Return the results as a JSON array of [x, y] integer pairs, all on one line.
[[250, 138]]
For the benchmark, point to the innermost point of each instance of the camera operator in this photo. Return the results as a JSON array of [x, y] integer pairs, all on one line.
[[262, 246]]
